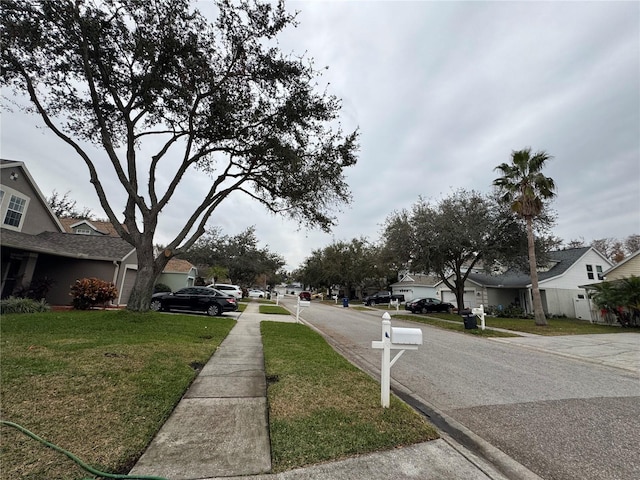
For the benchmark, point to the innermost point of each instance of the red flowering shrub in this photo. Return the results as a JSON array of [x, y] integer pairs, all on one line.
[[88, 292]]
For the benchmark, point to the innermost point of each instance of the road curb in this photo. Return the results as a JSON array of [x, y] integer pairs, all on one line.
[[492, 461]]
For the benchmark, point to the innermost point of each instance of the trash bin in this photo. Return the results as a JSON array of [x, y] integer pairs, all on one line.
[[345, 302], [470, 321]]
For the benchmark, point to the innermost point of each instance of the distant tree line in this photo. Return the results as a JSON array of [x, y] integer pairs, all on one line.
[[236, 258], [614, 249]]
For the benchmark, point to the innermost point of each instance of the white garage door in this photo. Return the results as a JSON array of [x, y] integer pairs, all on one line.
[[127, 285], [469, 298]]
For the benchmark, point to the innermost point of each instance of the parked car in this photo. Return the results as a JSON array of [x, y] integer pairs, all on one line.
[[255, 293], [227, 288], [428, 305], [195, 299], [382, 297], [305, 296]]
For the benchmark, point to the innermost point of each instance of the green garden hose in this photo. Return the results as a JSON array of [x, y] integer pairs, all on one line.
[[86, 467]]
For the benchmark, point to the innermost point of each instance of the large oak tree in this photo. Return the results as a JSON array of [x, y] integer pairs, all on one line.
[[163, 91]]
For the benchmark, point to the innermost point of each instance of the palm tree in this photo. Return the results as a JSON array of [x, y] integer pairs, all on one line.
[[525, 188]]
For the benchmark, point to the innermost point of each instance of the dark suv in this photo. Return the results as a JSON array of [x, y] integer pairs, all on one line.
[[195, 299], [305, 296]]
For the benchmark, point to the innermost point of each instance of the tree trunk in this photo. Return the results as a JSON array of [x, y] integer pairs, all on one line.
[[538, 311], [148, 271], [459, 282]]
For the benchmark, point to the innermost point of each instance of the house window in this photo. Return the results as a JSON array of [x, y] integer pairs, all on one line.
[[15, 211], [599, 272], [83, 231], [590, 272]]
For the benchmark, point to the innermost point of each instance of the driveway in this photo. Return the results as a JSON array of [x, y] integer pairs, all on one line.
[[620, 350]]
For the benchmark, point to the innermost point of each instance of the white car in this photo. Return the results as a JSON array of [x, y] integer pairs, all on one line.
[[234, 290], [257, 294]]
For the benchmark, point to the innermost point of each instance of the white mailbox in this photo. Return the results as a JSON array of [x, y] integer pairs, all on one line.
[[393, 338], [406, 336], [479, 312], [299, 305]]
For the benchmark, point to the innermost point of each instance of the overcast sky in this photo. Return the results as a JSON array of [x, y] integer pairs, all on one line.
[[442, 92]]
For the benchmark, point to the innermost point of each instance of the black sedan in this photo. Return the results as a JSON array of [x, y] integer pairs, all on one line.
[[195, 299], [428, 305]]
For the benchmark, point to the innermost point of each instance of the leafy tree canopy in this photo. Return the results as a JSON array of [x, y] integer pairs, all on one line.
[[352, 265], [461, 232], [162, 92], [237, 257]]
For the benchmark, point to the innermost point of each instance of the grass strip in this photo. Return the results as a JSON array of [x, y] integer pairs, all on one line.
[[555, 326], [454, 323], [274, 310], [323, 408], [98, 384]]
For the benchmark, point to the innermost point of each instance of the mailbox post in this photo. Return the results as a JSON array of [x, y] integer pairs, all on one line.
[[393, 339], [301, 304], [480, 313]]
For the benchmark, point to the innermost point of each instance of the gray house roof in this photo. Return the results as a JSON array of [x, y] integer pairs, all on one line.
[[418, 280], [562, 260], [69, 245]]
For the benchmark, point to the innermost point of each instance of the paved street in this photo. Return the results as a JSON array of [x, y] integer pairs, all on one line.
[[560, 416]]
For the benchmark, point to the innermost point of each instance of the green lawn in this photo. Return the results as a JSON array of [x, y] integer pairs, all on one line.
[[96, 383], [556, 326], [99, 384], [322, 408], [274, 310], [452, 322]]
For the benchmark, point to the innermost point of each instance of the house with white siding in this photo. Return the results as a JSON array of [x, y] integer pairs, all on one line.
[[416, 286], [559, 282]]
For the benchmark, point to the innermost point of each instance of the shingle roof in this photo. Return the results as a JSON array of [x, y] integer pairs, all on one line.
[[177, 265], [74, 246], [418, 279], [562, 259], [103, 227]]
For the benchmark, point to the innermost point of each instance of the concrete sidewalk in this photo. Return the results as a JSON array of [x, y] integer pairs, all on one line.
[[220, 429]]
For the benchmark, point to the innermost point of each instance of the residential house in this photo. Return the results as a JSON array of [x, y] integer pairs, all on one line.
[[36, 248], [178, 274], [628, 267], [416, 286], [83, 226], [559, 282]]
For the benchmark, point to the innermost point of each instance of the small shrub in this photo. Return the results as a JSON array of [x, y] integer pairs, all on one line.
[[88, 292], [36, 290], [161, 287], [22, 305], [510, 311]]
